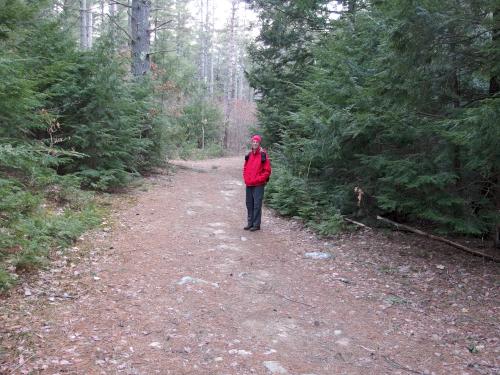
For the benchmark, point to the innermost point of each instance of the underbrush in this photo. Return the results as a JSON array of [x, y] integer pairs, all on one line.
[[36, 219], [190, 151], [293, 196]]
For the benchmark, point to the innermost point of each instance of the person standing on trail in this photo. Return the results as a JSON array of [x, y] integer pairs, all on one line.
[[256, 172]]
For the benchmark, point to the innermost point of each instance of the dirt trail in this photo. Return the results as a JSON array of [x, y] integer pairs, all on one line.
[[177, 287]]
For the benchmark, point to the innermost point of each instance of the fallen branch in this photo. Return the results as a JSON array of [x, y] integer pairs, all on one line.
[[292, 300], [399, 366], [357, 223], [21, 365], [367, 349], [341, 279], [437, 238]]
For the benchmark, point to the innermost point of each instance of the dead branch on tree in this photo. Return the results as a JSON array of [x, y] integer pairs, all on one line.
[[162, 51], [119, 3], [160, 26], [121, 28]]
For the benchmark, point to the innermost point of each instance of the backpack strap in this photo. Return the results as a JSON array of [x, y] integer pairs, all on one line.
[[263, 156]]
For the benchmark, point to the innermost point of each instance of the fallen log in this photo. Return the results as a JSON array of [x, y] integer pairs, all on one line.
[[357, 223], [437, 238]]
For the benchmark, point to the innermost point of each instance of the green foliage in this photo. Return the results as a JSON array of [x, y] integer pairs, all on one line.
[[13, 13], [397, 100], [296, 197], [39, 210], [6, 280], [71, 119], [31, 226], [286, 26], [200, 121]]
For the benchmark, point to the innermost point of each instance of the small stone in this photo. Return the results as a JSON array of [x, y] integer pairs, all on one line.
[[318, 255], [274, 367], [155, 345], [343, 342]]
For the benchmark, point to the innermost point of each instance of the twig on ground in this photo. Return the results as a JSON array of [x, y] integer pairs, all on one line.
[[292, 300], [269, 290], [399, 366], [18, 367], [341, 279], [367, 349]]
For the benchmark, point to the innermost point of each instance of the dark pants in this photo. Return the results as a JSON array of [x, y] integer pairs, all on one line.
[[255, 194]]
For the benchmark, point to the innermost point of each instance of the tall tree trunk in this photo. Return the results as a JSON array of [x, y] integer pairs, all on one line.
[[229, 80], [207, 41], [210, 50], [494, 89], [102, 5], [232, 48], [456, 149], [129, 20], [113, 11], [178, 27], [83, 24], [90, 24], [140, 37], [202, 42]]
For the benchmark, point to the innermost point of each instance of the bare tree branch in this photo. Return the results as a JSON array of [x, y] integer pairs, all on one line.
[[121, 28], [119, 3], [165, 14], [162, 51], [160, 26]]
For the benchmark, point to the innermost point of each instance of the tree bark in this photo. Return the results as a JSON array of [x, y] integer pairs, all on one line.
[[140, 37], [90, 24], [494, 89], [83, 24], [113, 11], [211, 28]]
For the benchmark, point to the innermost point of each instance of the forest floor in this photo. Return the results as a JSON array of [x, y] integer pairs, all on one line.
[[172, 284]]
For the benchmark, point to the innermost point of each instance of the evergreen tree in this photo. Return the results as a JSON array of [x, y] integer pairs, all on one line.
[[280, 55], [396, 100]]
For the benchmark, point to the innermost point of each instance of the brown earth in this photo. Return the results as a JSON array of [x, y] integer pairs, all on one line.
[[174, 285]]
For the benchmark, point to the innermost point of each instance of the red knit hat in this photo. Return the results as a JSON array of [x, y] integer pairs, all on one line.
[[257, 138]]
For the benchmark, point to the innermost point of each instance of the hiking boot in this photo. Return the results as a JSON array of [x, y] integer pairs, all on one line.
[[247, 227], [253, 229]]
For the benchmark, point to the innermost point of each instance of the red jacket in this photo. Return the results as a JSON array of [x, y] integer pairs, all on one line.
[[257, 168]]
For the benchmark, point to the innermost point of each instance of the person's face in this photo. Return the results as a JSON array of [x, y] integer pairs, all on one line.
[[255, 144]]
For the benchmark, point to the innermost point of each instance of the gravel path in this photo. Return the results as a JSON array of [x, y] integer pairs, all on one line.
[[176, 286]]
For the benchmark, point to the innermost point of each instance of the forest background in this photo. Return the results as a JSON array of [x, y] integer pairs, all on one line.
[[396, 99], [95, 93]]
